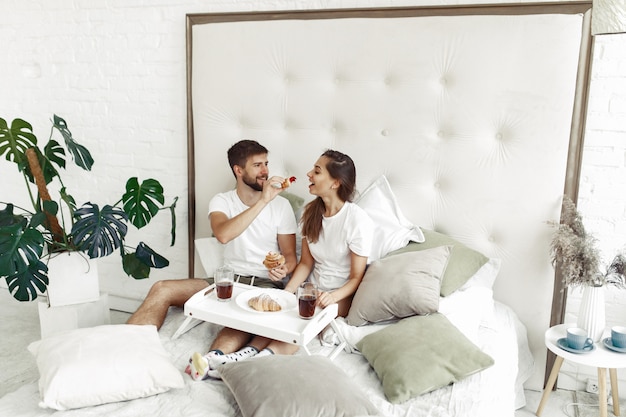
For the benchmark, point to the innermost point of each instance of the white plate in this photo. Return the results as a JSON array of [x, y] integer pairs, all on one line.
[[286, 299]]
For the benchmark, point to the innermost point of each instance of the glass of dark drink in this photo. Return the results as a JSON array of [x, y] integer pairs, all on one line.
[[224, 277], [307, 297]]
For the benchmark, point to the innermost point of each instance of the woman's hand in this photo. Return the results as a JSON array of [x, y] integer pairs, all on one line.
[[324, 299], [278, 273]]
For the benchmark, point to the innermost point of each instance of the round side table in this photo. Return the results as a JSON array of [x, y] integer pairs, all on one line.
[[601, 357]]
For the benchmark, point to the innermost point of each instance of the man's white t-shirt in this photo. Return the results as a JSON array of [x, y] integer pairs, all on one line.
[[351, 229], [246, 252]]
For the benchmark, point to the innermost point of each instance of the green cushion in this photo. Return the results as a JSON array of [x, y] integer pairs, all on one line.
[[294, 386], [463, 262], [295, 201], [421, 354]]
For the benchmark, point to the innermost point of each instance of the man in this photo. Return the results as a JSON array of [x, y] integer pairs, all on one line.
[[250, 221]]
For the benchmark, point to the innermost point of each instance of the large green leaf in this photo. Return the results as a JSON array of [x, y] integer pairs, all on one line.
[[149, 257], [134, 267], [99, 233], [15, 141], [21, 246], [82, 156], [140, 201], [20, 243], [138, 264], [7, 218], [22, 285]]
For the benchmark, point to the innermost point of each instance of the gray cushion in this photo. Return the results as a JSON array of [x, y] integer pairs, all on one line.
[[420, 354], [294, 386], [399, 286]]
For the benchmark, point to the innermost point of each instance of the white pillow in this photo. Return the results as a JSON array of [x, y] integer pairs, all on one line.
[[472, 305], [103, 364], [211, 254], [393, 231]]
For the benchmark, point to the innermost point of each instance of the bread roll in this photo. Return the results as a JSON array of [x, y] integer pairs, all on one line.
[[273, 260], [264, 302]]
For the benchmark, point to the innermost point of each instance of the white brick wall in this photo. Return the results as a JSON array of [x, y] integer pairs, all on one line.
[[602, 198], [116, 71]]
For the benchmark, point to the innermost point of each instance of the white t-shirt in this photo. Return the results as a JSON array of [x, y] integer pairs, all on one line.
[[351, 229], [246, 252]]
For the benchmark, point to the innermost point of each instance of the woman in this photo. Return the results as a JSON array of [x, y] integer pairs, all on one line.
[[337, 239], [337, 234]]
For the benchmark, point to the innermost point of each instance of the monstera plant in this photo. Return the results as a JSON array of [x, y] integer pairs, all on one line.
[[29, 236]]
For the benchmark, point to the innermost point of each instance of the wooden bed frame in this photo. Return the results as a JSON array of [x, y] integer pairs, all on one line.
[[475, 114]]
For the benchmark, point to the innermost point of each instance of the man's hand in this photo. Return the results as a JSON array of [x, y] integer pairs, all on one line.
[[269, 191], [277, 274]]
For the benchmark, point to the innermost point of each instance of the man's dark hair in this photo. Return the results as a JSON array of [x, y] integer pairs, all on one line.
[[239, 153]]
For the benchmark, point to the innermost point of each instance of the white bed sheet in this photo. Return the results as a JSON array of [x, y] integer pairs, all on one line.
[[479, 395]]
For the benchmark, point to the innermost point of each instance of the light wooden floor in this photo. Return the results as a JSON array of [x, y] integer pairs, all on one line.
[[564, 403]]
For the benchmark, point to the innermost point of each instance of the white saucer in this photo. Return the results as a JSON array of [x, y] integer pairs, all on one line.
[[562, 343], [286, 299], [609, 344]]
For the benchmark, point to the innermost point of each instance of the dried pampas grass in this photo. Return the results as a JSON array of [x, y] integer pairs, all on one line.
[[575, 253]]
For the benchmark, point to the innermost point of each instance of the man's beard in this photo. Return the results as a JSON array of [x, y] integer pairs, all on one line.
[[253, 183]]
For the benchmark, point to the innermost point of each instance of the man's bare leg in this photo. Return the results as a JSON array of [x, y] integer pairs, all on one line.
[[230, 340], [163, 295], [282, 348]]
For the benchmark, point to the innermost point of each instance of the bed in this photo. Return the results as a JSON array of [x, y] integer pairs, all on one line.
[[464, 122]]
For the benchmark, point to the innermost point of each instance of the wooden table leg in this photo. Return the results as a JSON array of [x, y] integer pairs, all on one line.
[[614, 391], [550, 384], [602, 391]]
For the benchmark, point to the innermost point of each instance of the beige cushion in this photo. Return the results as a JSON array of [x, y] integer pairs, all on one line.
[[399, 286], [421, 354], [294, 386]]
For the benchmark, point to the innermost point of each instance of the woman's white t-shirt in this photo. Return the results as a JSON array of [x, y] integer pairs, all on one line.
[[351, 229], [246, 252]]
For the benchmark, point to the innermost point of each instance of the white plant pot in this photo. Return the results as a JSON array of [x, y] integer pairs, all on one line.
[[73, 279], [592, 313]]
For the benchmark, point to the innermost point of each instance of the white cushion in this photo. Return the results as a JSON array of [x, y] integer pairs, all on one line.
[[211, 254], [472, 305], [103, 364], [393, 231]]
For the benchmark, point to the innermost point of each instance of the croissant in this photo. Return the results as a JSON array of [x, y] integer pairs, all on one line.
[[264, 302], [273, 260]]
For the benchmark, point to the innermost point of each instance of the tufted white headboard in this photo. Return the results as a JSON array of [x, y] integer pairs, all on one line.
[[474, 113]]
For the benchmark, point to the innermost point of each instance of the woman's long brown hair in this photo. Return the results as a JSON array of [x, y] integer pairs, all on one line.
[[340, 167]]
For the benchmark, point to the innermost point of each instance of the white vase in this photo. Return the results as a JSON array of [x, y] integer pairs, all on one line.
[[592, 316], [72, 279]]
